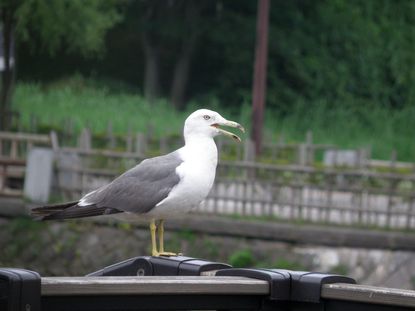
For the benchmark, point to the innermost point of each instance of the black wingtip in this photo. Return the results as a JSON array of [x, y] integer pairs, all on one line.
[[49, 212], [70, 211]]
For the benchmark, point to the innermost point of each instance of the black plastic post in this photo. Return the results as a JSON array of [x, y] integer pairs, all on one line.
[[279, 281], [160, 266], [19, 290], [306, 286]]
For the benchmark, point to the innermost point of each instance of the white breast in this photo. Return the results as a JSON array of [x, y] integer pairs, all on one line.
[[197, 174]]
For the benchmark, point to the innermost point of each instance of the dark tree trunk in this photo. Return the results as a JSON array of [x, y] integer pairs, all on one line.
[[181, 73], [260, 74], [8, 72], [151, 70], [182, 67]]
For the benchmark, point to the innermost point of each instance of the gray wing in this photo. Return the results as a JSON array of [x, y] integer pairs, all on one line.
[[142, 187]]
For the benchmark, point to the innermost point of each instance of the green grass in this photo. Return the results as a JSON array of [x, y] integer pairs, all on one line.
[[381, 129], [94, 108], [93, 104]]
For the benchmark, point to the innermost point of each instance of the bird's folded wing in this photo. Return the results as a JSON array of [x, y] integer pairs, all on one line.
[[142, 187]]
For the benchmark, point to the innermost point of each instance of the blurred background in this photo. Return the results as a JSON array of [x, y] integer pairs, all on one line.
[[325, 177]]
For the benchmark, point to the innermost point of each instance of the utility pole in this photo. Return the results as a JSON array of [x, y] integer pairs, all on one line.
[[260, 74]]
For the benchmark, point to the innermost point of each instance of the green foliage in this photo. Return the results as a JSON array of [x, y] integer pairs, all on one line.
[[186, 234], [125, 226], [288, 264], [381, 128], [340, 269], [343, 69], [25, 233], [210, 248], [330, 58], [242, 259], [93, 107], [77, 25], [21, 224], [343, 53]]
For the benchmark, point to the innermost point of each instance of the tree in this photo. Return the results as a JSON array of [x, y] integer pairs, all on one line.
[[79, 26], [169, 32]]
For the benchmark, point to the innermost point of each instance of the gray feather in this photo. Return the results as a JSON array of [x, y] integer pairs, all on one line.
[[142, 187]]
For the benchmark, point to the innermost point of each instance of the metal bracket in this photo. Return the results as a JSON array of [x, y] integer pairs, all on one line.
[[161, 266]]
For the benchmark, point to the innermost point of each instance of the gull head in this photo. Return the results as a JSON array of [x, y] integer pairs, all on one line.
[[208, 123]]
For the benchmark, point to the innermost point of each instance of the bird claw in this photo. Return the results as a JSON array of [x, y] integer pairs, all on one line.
[[165, 254]]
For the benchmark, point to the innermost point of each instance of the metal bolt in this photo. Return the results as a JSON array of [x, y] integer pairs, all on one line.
[[141, 272]]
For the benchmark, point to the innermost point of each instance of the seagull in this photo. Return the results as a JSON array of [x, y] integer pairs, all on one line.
[[158, 188]]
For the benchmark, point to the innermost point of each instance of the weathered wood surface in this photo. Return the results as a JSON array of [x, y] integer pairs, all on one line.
[[296, 234], [263, 230], [101, 152], [302, 153], [157, 285], [369, 294], [35, 138]]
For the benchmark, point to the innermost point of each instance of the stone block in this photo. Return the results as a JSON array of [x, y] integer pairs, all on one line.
[[38, 179]]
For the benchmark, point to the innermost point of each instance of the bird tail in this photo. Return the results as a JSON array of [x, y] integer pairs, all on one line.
[[70, 210]]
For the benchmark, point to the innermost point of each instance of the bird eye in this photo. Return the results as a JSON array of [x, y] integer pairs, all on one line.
[[206, 117]]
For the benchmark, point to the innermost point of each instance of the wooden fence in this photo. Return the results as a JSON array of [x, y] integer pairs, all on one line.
[[357, 197], [295, 193], [279, 151], [13, 151], [299, 192]]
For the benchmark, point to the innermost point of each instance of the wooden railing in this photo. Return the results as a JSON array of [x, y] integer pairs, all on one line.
[[235, 287], [360, 196], [351, 197], [278, 149], [242, 289]]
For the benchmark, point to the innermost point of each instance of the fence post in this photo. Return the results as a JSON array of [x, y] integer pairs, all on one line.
[[84, 141], [54, 140], [33, 123], [302, 154], [14, 149], [309, 148], [163, 144], [393, 160], [140, 144], [409, 213], [249, 151], [110, 135], [68, 132], [150, 132], [129, 140]]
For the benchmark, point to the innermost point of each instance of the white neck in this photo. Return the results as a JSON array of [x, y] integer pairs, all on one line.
[[202, 148]]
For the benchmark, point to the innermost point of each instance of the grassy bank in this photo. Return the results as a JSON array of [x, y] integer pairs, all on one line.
[[96, 105]]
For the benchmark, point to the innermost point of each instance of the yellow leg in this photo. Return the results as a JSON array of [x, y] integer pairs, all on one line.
[[153, 228], [161, 235], [160, 231]]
